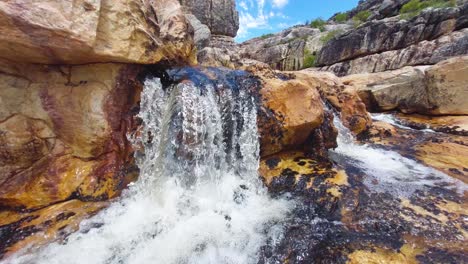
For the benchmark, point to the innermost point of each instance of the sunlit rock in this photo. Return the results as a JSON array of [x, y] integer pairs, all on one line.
[[77, 32]]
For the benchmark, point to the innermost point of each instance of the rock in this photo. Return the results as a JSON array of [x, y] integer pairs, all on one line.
[[422, 53], [63, 132], [432, 90], [202, 33], [447, 86], [403, 89], [291, 110], [21, 230], [345, 99], [443, 152], [79, 32], [283, 51], [220, 16], [389, 34], [288, 170], [457, 125]]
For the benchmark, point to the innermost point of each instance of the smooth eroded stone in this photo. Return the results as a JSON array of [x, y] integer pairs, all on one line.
[[447, 86], [89, 31], [292, 109], [63, 132]]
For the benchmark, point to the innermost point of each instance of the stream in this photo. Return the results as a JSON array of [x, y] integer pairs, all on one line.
[[199, 198]]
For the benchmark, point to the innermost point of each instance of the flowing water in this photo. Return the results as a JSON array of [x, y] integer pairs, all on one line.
[[198, 198], [386, 170], [391, 119]]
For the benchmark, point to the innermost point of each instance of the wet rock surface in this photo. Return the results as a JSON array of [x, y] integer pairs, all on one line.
[[341, 218]]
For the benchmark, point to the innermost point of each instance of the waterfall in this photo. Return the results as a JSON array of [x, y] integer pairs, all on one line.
[[198, 198], [387, 170]]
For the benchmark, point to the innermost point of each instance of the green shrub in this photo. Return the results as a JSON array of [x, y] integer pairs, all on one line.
[[265, 36], [361, 17], [318, 23], [341, 17], [309, 59], [330, 35], [415, 7]]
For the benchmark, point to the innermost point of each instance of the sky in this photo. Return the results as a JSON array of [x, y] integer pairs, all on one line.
[[258, 17]]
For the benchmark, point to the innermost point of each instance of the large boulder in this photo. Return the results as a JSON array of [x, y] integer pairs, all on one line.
[[63, 132], [403, 89], [291, 110], [220, 16], [447, 86], [343, 98], [433, 90], [78, 32]]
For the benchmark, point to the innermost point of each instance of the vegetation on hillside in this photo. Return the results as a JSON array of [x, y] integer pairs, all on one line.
[[330, 35], [309, 59], [265, 36], [318, 23], [341, 17], [361, 17], [415, 7]]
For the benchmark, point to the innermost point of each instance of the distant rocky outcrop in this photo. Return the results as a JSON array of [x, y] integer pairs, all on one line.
[[220, 16], [392, 43], [432, 90], [372, 37]]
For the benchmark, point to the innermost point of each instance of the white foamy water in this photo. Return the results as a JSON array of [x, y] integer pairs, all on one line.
[[391, 119], [198, 198], [386, 170]]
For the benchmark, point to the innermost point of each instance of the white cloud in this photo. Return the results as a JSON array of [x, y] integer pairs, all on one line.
[[243, 5], [280, 3], [256, 14]]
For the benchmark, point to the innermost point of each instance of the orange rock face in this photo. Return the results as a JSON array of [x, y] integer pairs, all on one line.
[[62, 132], [33, 229], [77, 32], [344, 98], [292, 110]]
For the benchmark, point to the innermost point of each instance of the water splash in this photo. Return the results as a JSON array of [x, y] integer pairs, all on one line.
[[391, 119], [198, 199], [386, 170]]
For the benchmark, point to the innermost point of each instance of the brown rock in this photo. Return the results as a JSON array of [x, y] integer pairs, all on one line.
[[457, 125], [34, 229], [63, 132], [77, 32], [345, 99], [434, 90], [291, 111], [403, 89], [447, 86]]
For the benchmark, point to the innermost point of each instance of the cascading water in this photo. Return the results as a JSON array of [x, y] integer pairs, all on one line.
[[393, 173], [198, 199]]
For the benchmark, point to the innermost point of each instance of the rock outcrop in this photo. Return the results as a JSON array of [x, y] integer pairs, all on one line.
[[78, 32], [392, 43], [433, 90], [220, 16], [63, 132], [69, 90]]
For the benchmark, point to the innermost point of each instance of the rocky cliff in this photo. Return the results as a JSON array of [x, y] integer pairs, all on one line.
[[220, 16], [373, 37], [392, 43]]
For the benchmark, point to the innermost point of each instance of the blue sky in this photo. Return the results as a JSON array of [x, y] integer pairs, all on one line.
[[258, 17]]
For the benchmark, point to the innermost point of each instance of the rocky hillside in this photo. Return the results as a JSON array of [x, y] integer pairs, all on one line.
[[376, 36]]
